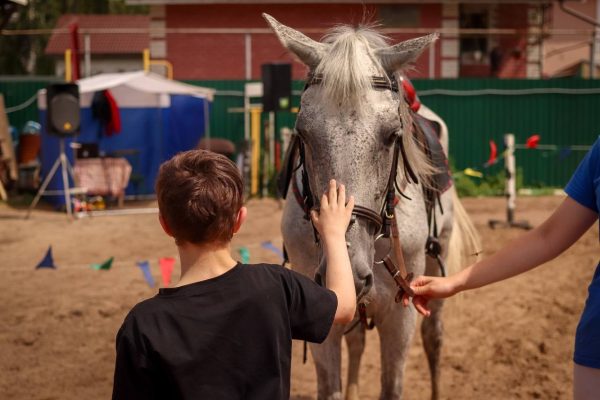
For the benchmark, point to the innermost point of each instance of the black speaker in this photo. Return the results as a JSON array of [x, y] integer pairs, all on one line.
[[277, 86], [62, 101]]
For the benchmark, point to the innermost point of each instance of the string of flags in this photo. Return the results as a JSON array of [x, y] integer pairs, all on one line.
[[166, 264], [533, 143]]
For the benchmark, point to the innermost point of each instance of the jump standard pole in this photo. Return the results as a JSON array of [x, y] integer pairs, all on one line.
[[510, 188]]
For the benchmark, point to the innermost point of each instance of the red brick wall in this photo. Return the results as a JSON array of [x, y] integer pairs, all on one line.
[[514, 49], [211, 56]]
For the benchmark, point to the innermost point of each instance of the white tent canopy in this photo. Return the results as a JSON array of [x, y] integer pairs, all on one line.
[[134, 89]]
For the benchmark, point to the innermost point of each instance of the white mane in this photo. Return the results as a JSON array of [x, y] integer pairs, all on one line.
[[346, 77]]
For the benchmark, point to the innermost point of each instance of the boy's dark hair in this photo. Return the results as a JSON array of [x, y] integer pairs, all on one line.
[[199, 195]]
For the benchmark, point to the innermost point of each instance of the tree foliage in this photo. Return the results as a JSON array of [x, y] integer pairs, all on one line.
[[24, 54]]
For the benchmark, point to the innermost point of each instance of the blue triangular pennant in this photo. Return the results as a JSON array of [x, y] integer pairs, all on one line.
[[270, 246], [47, 261], [145, 267], [564, 153]]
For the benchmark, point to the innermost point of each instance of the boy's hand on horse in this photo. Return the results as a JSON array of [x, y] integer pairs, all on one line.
[[332, 220]]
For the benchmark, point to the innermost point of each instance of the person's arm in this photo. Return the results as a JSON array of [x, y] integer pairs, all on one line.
[[567, 224], [332, 221]]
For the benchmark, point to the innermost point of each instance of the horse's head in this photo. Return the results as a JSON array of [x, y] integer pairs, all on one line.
[[349, 125]]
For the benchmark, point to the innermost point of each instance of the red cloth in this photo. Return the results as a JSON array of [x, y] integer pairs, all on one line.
[[114, 124]]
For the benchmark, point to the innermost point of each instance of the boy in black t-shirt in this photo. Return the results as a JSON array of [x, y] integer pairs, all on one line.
[[225, 330]]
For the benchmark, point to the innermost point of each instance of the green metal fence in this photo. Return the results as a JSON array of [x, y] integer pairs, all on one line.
[[20, 92], [562, 112]]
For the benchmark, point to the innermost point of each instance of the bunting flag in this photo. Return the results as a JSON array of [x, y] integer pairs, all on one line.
[[145, 267], [270, 246], [493, 154], [104, 266], [532, 141], [47, 261], [244, 254], [166, 269]]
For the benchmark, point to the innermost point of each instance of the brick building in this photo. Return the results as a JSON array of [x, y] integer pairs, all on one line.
[[228, 39], [101, 50]]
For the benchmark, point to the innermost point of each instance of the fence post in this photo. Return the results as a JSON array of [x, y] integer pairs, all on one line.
[[510, 187]]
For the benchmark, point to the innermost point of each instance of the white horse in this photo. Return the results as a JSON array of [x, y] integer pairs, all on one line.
[[348, 126]]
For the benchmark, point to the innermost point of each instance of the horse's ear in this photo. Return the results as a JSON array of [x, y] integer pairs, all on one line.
[[397, 57], [307, 50]]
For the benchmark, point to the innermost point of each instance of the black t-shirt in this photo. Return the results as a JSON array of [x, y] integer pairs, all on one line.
[[229, 337]]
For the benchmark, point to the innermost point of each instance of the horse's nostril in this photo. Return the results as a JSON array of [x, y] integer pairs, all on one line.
[[367, 284]]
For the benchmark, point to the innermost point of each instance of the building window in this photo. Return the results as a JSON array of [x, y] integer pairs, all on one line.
[[399, 15], [474, 48]]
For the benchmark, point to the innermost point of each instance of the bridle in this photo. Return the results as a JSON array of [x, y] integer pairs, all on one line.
[[384, 220], [380, 219]]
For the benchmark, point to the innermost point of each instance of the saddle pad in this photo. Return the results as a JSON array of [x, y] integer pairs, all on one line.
[[442, 179]]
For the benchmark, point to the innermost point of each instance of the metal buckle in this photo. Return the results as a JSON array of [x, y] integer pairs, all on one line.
[[381, 235]]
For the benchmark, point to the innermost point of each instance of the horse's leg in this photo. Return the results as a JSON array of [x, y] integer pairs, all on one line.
[[355, 339], [328, 362], [432, 327], [432, 332], [395, 332]]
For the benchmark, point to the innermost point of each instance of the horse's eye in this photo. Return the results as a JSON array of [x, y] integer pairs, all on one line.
[[300, 133], [390, 137]]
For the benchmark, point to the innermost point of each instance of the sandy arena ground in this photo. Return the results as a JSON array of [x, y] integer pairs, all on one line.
[[512, 340]]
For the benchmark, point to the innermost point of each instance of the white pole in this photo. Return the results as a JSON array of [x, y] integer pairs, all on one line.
[[248, 58], [511, 186], [246, 116], [65, 177], [206, 122], [87, 55], [272, 138]]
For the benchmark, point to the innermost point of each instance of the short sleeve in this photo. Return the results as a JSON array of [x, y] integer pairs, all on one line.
[[582, 186], [311, 307], [133, 373]]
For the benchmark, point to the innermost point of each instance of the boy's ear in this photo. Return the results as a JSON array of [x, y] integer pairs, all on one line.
[[164, 225], [241, 217]]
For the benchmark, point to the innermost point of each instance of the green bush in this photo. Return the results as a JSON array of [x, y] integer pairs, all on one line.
[[489, 185]]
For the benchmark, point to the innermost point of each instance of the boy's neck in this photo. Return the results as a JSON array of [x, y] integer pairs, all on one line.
[[202, 262]]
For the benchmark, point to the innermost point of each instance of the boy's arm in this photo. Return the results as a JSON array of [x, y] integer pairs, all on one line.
[[332, 222], [551, 238]]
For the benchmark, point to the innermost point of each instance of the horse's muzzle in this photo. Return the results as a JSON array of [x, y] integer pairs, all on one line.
[[362, 291], [366, 288]]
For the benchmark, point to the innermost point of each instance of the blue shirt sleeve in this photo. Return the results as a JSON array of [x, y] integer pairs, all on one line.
[[584, 184]]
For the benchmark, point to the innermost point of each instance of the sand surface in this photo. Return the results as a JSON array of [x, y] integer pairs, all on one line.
[[57, 327]]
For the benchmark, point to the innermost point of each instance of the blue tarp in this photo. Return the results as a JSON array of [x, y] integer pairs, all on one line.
[[157, 133]]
